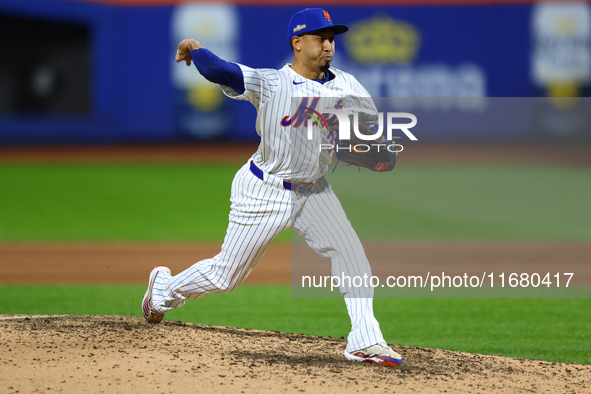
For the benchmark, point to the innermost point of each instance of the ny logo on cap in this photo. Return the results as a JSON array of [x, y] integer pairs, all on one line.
[[326, 16]]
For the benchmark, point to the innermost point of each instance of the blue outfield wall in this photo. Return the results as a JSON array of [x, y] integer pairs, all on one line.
[[131, 92], [139, 94]]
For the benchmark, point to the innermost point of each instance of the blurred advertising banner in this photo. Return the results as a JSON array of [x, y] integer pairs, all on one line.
[[116, 80], [561, 65], [200, 107], [457, 55], [396, 58], [561, 58]]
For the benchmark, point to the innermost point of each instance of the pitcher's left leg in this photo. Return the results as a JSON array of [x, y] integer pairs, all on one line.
[[326, 229]]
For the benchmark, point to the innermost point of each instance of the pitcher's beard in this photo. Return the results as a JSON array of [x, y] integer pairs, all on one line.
[[324, 68]]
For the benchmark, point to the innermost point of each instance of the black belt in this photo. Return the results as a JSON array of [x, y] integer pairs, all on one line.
[[298, 188]]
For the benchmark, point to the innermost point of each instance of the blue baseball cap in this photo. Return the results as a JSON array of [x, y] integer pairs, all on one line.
[[312, 19]]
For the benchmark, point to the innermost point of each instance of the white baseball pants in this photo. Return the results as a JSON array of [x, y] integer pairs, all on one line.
[[260, 210]]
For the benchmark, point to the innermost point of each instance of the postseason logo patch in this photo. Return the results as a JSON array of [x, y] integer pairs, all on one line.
[[298, 28]]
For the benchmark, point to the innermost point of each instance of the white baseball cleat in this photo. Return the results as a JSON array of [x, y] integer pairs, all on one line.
[[150, 314], [380, 353]]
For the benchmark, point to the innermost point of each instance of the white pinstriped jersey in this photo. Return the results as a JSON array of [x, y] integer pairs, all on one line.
[[285, 151], [263, 208]]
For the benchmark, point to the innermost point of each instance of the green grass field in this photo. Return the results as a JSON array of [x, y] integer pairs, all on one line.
[[191, 203], [170, 203], [478, 202], [544, 329]]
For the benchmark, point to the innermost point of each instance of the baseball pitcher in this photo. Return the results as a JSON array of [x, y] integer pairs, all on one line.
[[282, 186]]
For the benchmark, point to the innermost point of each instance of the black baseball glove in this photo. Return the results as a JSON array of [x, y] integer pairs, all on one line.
[[377, 155]]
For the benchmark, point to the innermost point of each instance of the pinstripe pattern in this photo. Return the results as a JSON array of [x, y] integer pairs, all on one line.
[[251, 228], [326, 229], [285, 151], [261, 209]]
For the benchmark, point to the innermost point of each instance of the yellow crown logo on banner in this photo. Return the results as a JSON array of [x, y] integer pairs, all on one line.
[[383, 40]]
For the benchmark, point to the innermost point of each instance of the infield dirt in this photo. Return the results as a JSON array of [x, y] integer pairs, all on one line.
[[125, 354]]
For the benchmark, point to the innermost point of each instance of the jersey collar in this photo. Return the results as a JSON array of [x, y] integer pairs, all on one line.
[[328, 76]]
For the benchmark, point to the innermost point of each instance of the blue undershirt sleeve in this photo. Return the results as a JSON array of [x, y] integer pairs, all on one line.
[[217, 70]]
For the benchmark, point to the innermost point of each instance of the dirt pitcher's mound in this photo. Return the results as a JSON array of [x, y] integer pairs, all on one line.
[[125, 354]]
